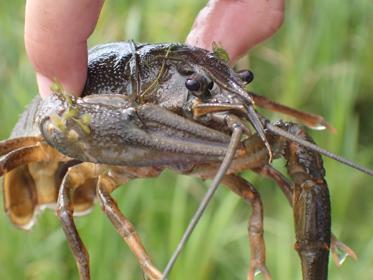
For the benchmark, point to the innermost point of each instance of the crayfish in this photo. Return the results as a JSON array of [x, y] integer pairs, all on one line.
[[146, 108]]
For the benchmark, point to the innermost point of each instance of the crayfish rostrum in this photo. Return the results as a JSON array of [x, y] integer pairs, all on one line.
[[150, 107]]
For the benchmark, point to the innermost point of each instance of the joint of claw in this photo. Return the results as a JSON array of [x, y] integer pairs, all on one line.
[[144, 263], [301, 246], [254, 229], [63, 213], [307, 185]]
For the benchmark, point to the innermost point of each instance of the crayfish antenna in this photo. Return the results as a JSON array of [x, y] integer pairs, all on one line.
[[318, 149], [231, 150], [311, 120]]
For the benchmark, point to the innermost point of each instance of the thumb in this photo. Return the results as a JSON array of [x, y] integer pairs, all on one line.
[[236, 25], [56, 34]]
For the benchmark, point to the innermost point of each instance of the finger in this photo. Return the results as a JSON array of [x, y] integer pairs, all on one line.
[[236, 25], [56, 34]]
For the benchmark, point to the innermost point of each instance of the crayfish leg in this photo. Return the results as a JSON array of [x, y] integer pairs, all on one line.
[[257, 247], [19, 194], [9, 145], [74, 178], [124, 227], [78, 176], [19, 189], [20, 157], [309, 119], [33, 172], [279, 178]]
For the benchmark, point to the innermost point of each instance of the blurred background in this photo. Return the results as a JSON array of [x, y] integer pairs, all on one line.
[[320, 61]]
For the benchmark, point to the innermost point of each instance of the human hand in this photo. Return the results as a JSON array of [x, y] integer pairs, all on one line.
[[236, 25], [56, 34]]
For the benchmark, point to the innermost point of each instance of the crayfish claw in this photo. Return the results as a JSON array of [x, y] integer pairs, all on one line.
[[341, 251]]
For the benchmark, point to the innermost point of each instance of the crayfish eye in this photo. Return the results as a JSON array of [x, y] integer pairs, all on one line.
[[246, 76], [192, 84], [199, 85]]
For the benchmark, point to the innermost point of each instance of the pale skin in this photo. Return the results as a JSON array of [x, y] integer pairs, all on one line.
[[56, 34]]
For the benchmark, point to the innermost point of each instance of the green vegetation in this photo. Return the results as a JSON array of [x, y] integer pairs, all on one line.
[[320, 61]]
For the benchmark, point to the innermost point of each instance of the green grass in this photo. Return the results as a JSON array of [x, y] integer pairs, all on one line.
[[320, 61]]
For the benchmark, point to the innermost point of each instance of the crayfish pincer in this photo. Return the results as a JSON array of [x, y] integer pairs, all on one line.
[[146, 108]]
